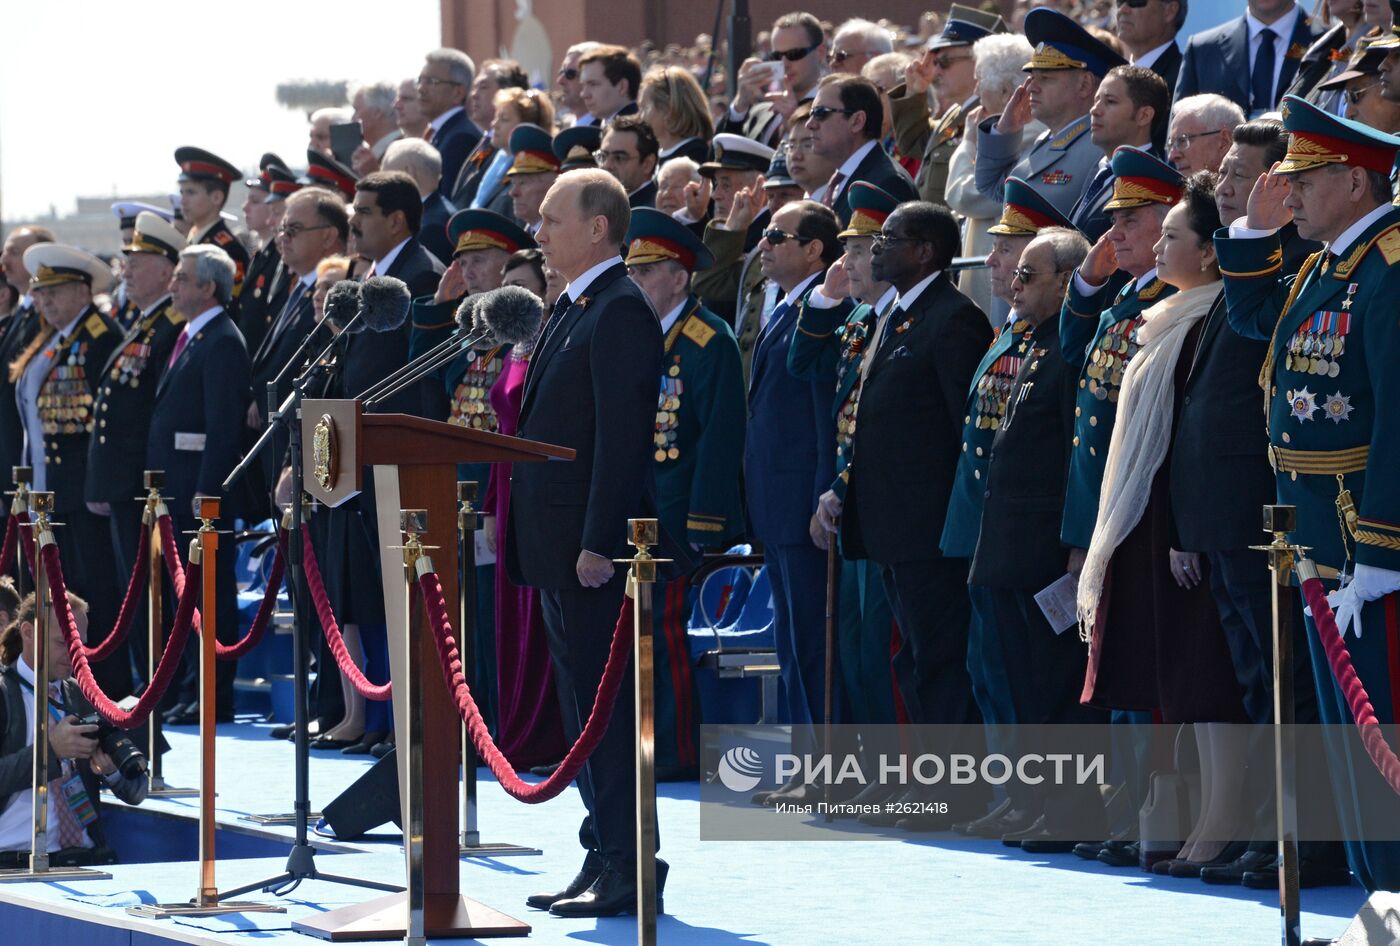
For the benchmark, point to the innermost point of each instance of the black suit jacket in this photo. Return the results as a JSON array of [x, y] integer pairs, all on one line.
[[592, 386], [198, 416], [15, 335], [884, 172], [418, 268], [1168, 65], [1019, 543], [909, 427], [454, 141], [1317, 62], [644, 196], [1217, 60], [432, 232]]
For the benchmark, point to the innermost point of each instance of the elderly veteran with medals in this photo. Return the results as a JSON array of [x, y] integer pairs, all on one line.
[[56, 382], [833, 331], [532, 172], [1330, 388], [698, 450]]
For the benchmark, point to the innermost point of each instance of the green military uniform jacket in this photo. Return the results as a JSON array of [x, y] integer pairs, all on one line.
[[1333, 384], [917, 132], [986, 409], [1099, 340], [698, 445]]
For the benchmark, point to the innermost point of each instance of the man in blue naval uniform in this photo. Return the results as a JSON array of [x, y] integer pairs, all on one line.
[[833, 330], [1098, 330], [1064, 74], [1330, 388], [1026, 213], [698, 449]]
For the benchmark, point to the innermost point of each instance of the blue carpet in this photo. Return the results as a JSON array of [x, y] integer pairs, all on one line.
[[886, 890]]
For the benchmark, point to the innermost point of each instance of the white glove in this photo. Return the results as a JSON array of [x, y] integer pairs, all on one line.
[[1368, 584]]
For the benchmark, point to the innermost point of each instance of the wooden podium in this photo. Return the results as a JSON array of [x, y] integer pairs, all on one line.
[[415, 467]]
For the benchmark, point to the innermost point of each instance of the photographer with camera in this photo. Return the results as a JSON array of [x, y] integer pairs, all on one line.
[[85, 752]]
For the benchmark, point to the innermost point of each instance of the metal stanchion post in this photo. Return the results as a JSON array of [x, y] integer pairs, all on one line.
[[1279, 521], [833, 577], [41, 504], [468, 522], [414, 523], [641, 576], [205, 549], [22, 476], [155, 509]]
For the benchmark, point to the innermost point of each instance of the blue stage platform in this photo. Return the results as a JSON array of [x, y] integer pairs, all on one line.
[[852, 893]]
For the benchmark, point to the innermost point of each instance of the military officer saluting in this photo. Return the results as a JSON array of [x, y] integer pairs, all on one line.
[[126, 392], [698, 448], [57, 378], [1065, 72], [833, 333], [947, 67], [1098, 331], [1026, 213], [1330, 387], [204, 182]]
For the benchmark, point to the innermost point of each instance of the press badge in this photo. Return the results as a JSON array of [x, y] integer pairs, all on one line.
[[189, 442], [75, 793]]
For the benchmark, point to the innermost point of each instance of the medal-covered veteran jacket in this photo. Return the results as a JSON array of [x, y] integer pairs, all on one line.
[[698, 446], [126, 392], [987, 400], [1333, 384], [66, 401], [1099, 340]]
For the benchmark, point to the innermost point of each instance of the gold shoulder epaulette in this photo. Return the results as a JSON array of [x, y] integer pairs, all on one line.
[[1389, 245], [697, 331], [95, 326], [173, 315]]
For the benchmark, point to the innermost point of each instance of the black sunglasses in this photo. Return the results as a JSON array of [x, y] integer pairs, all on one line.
[[791, 55], [821, 113], [570, 74], [776, 237], [1135, 4]]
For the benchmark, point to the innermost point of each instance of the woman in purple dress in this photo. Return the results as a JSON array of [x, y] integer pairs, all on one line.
[[528, 728]]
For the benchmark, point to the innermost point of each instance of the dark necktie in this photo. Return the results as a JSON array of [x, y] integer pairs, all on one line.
[[829, 198], [1103, 178], [1261, 83], [556, 315]]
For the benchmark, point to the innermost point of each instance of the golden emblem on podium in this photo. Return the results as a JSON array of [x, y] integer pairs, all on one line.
[[323, 452]]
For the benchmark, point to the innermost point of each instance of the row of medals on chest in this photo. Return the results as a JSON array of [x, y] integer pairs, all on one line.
[[994, 387], [64, 403], [1109, 360], [471, 405], [668, 405], [1313, 351]]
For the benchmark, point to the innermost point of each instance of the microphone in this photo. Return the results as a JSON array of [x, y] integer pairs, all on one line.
[[342, 302], [469, 331], [383, 303], [512, 314]]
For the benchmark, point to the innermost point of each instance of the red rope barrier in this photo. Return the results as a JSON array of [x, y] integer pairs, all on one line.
[[7, 548], [614, 673], [348, 667], [261, 621], [169, 658], [128, 611], [1357, 699], [26, 536]]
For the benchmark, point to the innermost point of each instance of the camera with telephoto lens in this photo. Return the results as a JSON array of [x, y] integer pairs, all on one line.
[[130, 761]]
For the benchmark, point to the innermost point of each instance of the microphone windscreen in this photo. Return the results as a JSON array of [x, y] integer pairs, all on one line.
[[342, 302], [384, 303], [468, 320], [512, 313]]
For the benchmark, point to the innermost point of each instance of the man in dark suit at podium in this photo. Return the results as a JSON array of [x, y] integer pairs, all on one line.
[[592, 386]]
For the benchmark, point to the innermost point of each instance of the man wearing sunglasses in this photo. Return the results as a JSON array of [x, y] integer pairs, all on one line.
[[799, 46], [855, 43], [1250, 60], [1148, 29], [1363, 91], [1064, 73], [947, 68], [570, 85], [845, 125]]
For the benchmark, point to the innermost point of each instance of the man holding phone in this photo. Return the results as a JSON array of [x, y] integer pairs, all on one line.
[[798, 61]]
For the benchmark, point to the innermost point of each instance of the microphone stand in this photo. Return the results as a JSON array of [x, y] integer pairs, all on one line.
[[454, 343], [422, 367], [301, 861]]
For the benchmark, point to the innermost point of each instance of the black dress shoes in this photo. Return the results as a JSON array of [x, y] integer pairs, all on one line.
[[366, 744], [925, 821], [382, 749], [613, 892], [1010, 822], [327, 743], [761, 798], [592, 867], [1180, 868], [895, 810], [1033, 830], [965, 827], [876, 793], [176, 711], [545, 771], [1233, 872], [1120, 854], [1310, 874]]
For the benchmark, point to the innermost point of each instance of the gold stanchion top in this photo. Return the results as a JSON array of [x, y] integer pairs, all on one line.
[[153, 480], [467, 492], [208, 512], [22, 476], [642, 534], [41, 503], [1280, 520]]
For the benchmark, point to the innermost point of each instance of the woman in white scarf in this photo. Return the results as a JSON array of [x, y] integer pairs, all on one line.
[[1166, 634]]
